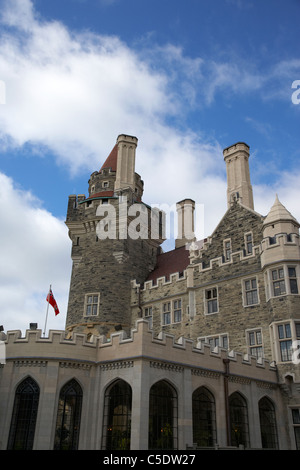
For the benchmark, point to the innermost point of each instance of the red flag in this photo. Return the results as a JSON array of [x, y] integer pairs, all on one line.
[[50, 298]]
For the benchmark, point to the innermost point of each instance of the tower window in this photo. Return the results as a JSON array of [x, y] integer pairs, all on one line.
[[92, 302], [278, 281], [282, 281], [293, 280]]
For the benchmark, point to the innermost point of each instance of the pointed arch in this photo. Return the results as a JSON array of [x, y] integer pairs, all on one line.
[[163, 416], [22, 428], [238, 412], [116, 429], [268, 427], [204, 417], [68, 416]]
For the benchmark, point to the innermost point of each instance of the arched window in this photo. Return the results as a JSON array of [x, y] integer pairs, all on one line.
[[268, 427], [238, 420], [68, 417], [204, 418], [117, 417], [162, 416], [24, 415]]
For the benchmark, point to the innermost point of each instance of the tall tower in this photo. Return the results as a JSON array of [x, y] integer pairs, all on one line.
[[238, 175], [112, 244]]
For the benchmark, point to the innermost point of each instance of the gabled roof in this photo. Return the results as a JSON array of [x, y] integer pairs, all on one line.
[[111, 161]]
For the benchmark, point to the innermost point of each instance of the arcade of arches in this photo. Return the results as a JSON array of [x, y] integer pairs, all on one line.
[[116, 429]]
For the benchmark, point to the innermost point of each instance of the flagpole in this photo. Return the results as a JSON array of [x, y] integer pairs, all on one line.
[[47, 311]]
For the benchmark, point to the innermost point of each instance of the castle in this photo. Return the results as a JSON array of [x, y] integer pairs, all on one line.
[[188, 349]]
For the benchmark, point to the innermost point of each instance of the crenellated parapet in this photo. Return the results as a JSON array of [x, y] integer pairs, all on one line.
[[281, 247], [141, 344]]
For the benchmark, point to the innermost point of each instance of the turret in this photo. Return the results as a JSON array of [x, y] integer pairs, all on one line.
[[111, 244], [280, 236]]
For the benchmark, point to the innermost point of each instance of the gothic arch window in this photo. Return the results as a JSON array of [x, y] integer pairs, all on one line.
[[204, 418], [268, 426], [22, 428], [68, 417], [117, 416], [162, 416], [238, 420]]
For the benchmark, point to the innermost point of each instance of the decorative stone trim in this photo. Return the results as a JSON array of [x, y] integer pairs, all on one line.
[[166, 366], [266, 385], [30, 363], [206, 373], [239, 380], [116, 365], [74, 365]]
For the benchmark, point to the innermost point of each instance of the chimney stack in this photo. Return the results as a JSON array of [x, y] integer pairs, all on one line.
[[125, 175], [238, 175], [185, 214]]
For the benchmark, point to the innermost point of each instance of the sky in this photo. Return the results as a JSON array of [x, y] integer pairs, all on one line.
[[188, 78]]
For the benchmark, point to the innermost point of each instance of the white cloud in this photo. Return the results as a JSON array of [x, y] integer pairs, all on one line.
[[74, 93], [34, 253]]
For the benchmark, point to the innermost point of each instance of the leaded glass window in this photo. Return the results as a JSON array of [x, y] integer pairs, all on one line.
[[22, 429], [68, 417], [117, 417], [238, 420], [268, 427], [204, 418], [163, 417]]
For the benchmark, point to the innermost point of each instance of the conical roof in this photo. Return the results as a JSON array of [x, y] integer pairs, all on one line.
[[279, 213], [111, 161]]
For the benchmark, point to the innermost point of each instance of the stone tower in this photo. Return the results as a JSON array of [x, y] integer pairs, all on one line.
[[112, 244], [238, 175]]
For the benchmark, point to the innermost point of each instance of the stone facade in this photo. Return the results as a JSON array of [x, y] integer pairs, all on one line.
[[141, 360], [217, 318]]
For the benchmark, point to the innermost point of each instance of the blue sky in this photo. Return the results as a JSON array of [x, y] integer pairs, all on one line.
[[188, 78]]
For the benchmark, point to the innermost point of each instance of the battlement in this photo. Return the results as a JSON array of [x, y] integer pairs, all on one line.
[[140, 345], [161, 281], [239, 255], [281, 247]]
